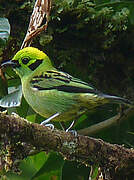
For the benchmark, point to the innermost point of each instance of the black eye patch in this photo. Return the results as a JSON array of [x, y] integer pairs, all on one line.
[[34, 65], [25, 60]]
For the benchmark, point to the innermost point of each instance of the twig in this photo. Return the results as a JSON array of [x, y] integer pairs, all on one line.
[[107, 123], [41, 10]]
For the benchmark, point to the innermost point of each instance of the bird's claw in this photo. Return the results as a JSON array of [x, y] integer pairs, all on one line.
[[51, 126], [73, 132]]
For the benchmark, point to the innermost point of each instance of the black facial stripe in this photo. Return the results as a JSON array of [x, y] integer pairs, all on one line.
[[16, 64], [34, 65], [25, 60], [70, 89]]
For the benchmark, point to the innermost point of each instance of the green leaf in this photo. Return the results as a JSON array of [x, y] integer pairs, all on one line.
[[36, 161], [13, 99], [95, 172], [52, 167], [75, 171], [4, 30]]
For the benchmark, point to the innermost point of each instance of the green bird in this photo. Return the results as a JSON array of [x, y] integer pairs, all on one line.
[[54, 94]]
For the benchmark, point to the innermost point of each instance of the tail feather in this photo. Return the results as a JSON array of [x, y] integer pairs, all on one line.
[[119, 100]]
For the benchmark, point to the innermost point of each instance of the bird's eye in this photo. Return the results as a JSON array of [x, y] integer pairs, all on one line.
[[25, 60]]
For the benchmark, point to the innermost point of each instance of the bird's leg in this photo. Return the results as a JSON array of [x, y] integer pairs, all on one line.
[[63, 126], [71, 125], [44, 123], [69, 128]]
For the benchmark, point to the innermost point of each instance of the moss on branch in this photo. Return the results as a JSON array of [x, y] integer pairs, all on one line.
[[114, 160]]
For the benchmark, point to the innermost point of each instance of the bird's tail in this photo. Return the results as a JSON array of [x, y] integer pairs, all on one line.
[[118, 100]]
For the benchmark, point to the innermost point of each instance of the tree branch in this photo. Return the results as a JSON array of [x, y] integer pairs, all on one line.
[[112, 159], [41, 10], [107, 123]]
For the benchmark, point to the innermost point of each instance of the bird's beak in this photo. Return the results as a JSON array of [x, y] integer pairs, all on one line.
[[11, 63]]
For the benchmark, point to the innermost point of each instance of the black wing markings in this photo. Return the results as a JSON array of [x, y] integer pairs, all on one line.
[[65, 88], [64, 77]]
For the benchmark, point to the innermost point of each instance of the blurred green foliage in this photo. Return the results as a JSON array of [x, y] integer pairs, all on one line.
[[92, 40]]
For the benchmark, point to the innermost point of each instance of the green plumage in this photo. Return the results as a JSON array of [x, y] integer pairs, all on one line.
[[49, 91]]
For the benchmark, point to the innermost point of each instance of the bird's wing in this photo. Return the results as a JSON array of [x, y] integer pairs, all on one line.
[[60, 81]]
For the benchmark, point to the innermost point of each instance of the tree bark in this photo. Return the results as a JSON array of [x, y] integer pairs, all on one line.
[[115, 161]]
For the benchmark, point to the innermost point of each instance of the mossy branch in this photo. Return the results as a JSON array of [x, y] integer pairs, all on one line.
[[113, 160]]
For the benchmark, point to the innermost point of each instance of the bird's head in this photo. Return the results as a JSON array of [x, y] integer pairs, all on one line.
[[28, 60]]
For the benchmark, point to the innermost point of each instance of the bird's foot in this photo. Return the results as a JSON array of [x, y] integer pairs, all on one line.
[[69, 128], [45, 123], [51, 126], [72, 131], [71, 125]]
